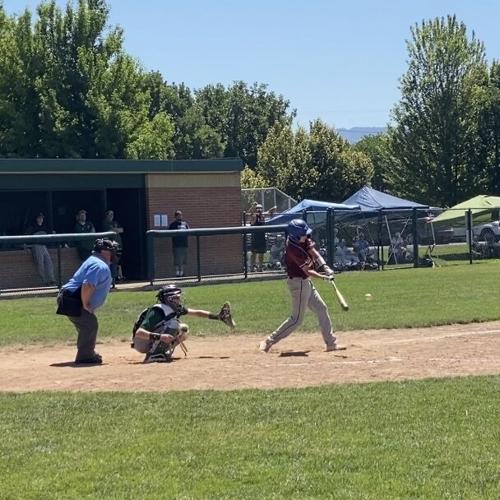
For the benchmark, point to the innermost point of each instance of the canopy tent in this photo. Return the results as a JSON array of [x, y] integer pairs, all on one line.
[[371, 200], [480, 206], [316, 211], [374, 204]]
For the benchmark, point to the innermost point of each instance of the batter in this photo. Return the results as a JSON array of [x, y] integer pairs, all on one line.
[[301, 257]]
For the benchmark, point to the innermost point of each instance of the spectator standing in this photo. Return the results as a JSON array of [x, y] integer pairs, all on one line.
[[82, 225], [179, 244], [41, 255], [110, 224], [88, 288], [259, 243]]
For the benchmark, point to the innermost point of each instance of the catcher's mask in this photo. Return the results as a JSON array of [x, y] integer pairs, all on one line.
[[298, 228], [170, 295]]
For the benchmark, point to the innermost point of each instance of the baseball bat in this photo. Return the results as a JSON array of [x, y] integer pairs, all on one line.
[[343, 303]]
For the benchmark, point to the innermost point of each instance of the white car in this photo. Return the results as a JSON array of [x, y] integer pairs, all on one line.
[[483, 232]]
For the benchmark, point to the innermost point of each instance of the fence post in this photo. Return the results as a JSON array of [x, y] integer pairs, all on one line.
[[198, 257], [380, 244], [59, 273], [330, 238], [469, 233], [150, 257], [415, 239]]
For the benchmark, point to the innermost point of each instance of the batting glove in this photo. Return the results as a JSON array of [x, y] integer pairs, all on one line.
[[328, 271]]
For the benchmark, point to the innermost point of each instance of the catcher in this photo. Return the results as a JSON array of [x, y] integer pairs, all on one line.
[[158, 331]]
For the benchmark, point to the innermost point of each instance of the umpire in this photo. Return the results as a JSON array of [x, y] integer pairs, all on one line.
[[85, 292]]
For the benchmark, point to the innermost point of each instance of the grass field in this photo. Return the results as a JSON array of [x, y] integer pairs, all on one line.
[[401, 298], [429, 439]]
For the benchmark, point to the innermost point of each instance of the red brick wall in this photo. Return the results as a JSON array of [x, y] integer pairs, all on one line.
[[201, 207], [206, 200], [17, 269]]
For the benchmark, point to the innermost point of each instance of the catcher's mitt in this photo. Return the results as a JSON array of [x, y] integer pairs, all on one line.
[[225, 315]]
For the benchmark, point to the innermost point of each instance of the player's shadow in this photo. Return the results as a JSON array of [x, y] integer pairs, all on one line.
[[72, 364], [289, 354], [212, 357]]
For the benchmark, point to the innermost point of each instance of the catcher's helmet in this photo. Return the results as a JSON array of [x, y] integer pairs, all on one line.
[[298, 228], [167, 293], [104, 244]]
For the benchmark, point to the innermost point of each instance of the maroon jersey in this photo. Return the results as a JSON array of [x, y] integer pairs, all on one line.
[[297, 258]]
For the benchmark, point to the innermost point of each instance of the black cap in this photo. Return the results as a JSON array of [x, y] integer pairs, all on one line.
[[104, 244]]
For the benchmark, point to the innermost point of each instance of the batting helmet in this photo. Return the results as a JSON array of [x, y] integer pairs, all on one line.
[[170, 295], [103, 244], [298, 228]]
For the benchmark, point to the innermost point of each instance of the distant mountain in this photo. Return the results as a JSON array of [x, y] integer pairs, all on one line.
[[354, 134]]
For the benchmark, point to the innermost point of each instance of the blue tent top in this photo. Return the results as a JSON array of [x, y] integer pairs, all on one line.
[[371, 200], [310, 206]]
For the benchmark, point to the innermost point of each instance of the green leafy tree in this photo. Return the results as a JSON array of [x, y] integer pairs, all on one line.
[[376, 147], [69, 90], [192, 138], [251, 179], [491, 127], [242, 116], [317, 164], [439, 154]]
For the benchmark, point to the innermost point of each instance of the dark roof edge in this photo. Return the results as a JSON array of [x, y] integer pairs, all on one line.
[[81, 165]]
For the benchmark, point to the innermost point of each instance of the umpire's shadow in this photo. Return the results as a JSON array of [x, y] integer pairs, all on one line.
[[289, 354]]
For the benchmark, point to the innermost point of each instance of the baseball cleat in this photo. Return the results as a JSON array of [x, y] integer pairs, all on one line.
[[265, 345], [331, 347]]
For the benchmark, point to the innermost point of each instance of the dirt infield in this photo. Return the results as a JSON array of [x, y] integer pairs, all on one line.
[[235, 363]]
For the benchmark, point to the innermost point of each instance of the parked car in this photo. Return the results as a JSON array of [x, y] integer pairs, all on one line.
[[483, 232]]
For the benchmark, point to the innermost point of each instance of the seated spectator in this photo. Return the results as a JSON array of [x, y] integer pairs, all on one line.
[[41, 255], [110, 224], [341, 254], [398, 248], [82, 225], [362, 248]]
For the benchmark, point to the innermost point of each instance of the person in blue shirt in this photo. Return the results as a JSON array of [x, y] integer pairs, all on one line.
[[90, 284]]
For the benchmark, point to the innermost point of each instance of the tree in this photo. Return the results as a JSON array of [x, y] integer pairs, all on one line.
[[376, 147], [252, 180], [439, 155], [317, 164], [193, 138], [491, 127], [242, 116], [68, 89]]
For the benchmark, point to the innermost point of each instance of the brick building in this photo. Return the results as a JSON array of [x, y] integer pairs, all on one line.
[[143, 194]]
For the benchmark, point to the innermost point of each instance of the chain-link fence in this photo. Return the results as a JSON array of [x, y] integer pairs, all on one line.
[[355, 240], [349, 240], [268, 198]]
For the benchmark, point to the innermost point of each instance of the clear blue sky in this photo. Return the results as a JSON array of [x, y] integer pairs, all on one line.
[[336, 60]]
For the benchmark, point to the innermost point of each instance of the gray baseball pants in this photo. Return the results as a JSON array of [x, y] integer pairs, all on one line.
[[86, 326], [304, 295], [43, 263]]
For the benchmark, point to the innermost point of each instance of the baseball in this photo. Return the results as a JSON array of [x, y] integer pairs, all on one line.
[[368, 296]]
